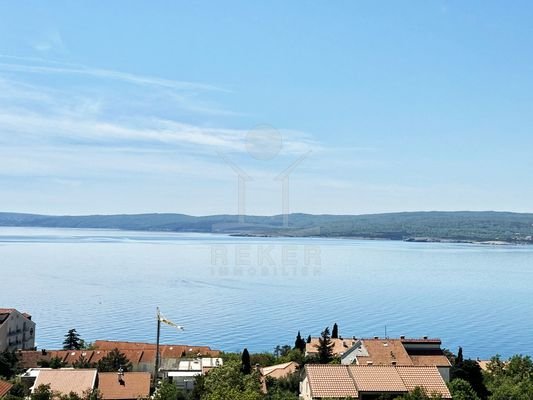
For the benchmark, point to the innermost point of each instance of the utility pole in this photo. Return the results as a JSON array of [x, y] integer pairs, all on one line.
[[156, 372], [160, 319]]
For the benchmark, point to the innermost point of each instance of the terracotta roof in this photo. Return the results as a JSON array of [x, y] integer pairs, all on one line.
[[384, 352], [167, 350], [350, 380], [135, 385], [280, 370], [428, 378], [67, 380], [330, 381], [5, 387], [429, 359], [30, 359], [483, 364], [340, 346]]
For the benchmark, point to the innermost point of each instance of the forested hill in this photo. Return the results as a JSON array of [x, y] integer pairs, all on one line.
[[419, 226]]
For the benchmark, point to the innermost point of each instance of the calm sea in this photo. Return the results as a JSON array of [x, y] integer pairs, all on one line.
[[231, 292]]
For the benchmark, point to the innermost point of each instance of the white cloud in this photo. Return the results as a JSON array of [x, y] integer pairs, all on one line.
[[77, 69]]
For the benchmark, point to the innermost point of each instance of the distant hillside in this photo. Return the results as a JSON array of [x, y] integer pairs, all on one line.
[[414, 226]]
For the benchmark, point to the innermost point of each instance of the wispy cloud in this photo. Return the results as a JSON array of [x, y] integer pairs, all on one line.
[[115, 130], [32, 115], [30, 65]]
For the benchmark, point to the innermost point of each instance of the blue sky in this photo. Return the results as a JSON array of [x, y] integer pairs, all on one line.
[[125, 107]]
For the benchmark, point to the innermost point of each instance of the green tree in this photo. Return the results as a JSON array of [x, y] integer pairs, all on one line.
[[229, 383], [72, 341], [299, 343], [113, 361], [419, 394], [462, 390], [511, 379], [83, 362], [168, 391], [42, 392], [8, 364], [92, 394], [288, 384], [246, 366], [325, 347], [335, 331], [19, 389], [54, 363], [459, 359], [293, 355], [285, 349], [309, 339], [470, 371]]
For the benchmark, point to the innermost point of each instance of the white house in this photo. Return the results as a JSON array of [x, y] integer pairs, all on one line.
[[17, 330]]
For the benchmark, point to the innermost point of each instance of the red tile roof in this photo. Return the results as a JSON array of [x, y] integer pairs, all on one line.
[[330, 381], [280, 370], [134, 385], [340, 346], [350, 380], [427, 378], [384, 352], [167, 350], [67, 380], [5, 387]]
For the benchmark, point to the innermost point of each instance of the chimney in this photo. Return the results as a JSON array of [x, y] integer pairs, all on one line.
[[376, 337], [121, 376], [402, 337]]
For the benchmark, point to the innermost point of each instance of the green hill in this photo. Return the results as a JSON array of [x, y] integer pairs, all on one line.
[[415, 226]]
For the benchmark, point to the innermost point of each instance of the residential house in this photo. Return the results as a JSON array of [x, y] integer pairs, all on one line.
[[65, 380], [141, 355], [365, 382], [17, 330], [278, 371], [124, 386], [401, 352], [183, 373]]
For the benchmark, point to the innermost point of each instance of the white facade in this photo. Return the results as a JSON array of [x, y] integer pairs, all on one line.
[[187, 370], [17, 330]]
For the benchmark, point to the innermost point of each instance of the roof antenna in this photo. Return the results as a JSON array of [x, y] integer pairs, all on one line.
[[386, 337]]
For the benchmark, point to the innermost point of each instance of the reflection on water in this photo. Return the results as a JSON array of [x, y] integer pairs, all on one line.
[[234, 292]]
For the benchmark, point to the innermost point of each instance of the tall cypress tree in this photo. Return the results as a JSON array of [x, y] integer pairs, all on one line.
[[325, 347], [309, 339], [335, 331], [299, 343], [246, 366], [459, 359]]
